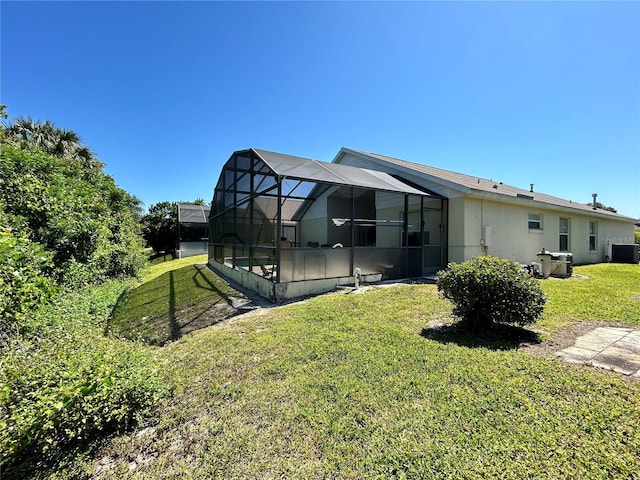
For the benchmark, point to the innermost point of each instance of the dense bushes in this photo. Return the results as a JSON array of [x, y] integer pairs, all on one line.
[[70, 382], [79, 215], [60, 222], [24, 279], [64, 224], [490, 289]]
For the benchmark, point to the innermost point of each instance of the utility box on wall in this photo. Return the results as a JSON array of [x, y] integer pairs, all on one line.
[[487, 236]]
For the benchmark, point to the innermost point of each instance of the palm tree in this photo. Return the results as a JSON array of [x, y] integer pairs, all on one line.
[[59, 142]]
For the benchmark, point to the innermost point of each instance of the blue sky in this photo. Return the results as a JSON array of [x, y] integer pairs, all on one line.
[[164, 92]]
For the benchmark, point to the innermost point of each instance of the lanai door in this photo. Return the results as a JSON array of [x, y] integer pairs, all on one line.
[[434, 235]]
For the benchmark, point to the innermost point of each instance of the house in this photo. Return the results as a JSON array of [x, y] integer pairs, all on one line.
[[286, 226], [192, 230], [486, 217]]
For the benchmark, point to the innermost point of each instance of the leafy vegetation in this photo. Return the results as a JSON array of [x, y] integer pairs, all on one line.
[[87, 223], [68, 382], [24, 279], [62, 219], [64, 225], [172, 304], [485, 290], [336, 386]]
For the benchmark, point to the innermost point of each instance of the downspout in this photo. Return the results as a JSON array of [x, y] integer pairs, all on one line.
[[483, 246]]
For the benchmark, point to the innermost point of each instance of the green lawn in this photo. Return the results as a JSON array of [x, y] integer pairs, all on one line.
[[605, 291], [349, 386]]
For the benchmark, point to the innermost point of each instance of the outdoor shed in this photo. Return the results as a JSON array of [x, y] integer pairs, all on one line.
[[192, 230], [287, 226]]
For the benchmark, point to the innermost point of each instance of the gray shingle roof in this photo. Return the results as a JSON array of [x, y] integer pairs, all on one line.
[[470, 184]]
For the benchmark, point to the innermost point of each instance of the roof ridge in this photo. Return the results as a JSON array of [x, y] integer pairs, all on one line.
[[483, 184], [422, 165]]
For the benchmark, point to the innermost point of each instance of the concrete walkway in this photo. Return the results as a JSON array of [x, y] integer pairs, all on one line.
[[612, 348]]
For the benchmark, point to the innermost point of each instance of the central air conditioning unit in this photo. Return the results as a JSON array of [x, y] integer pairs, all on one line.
[[625, 253]]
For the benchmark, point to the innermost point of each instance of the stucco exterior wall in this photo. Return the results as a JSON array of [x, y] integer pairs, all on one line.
[[458, 251], [485, 223], [313, 226], [502, 229]]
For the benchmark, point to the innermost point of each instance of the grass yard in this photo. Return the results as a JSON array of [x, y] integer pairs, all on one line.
[[348, 386], [605, 292]]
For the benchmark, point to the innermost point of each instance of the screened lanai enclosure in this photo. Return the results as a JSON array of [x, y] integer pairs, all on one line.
[[287, 226], [192, 230]]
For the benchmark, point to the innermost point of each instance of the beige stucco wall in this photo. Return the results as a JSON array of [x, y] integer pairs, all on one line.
[[313, 226], [458, 250], [483, 226]]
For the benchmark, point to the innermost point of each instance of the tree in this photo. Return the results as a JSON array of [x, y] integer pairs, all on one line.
[[603, 207], [78, 215], [159, 226], [59, 142]]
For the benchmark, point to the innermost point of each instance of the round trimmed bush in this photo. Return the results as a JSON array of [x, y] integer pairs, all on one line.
[[486, 290]]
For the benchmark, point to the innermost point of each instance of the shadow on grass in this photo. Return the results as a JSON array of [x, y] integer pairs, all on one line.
[[172, 305], [496, 337], [211, 285], [162, 257]]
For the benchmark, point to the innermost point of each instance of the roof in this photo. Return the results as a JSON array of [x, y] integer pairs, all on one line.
[[317, 171], [471, 184], [188, 213]]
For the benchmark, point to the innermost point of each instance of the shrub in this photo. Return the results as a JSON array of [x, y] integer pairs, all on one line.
[[68, 384], [24, 279], [490, 289], [80, 216]]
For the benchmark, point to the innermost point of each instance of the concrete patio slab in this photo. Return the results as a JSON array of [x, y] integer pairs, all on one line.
[[611, 348]]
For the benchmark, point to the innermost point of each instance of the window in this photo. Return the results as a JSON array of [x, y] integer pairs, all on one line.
[[564, 234], [593, 230], [535, 221]]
